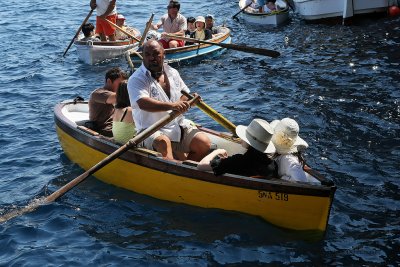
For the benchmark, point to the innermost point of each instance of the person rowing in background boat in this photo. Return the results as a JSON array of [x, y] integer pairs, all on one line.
[[88, 33], [119, 35], [105, 9], [256, 161], [173, 23], [154, 90]]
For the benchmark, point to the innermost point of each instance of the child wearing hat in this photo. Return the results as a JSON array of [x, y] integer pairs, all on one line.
[[254, 162], [201, 32]]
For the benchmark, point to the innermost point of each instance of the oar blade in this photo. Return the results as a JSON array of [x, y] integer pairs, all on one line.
[[254, 50], [77, 32]]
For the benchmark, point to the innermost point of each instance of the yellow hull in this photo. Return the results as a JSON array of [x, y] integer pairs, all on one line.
[[292, 211]]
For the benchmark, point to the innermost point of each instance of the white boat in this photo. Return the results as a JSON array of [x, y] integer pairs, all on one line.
[[94, 52], [323, 9], [251, 15]]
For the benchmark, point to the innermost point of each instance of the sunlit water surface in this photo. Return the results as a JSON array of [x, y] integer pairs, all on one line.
[[340, 83]]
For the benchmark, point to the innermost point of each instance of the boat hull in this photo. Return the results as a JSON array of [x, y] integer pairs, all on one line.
[[263, 19], [95, 52], [281, 203], [193, 53], [322, 9]]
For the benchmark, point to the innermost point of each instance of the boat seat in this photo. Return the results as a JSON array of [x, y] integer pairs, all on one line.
[[190, 163], [148, 151], [87, 130], [83, 123]]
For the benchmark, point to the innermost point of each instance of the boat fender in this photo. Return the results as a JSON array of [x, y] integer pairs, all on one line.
[[394, 11]]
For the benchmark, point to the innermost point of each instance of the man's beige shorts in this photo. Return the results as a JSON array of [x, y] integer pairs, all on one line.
[[188, 133]]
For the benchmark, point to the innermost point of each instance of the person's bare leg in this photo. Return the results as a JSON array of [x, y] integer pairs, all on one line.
[[173, 44], [162, 144], [199, 147], [111, 37], [102, 37]]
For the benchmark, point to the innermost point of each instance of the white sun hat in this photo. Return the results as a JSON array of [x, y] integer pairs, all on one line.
[[120, 16], [200, 19], [258, 135], [286, 136]]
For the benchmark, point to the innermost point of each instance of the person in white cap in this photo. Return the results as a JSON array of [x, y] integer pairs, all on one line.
[[288, 145], [201, 32], [256, 161], [119, 35], [105, 9]]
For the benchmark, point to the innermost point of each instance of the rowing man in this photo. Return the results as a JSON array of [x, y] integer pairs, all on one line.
[[105, 9], [154, 90]]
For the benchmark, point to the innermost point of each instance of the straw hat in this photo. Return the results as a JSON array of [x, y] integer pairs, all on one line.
[[258, 135], [286, 136]]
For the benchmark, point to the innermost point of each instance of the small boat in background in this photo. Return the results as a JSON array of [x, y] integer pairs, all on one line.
[[313, 10], [296, 206], [190, 53], [251, 15], [92, 52]]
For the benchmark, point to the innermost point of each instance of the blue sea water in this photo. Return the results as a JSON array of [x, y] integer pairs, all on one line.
[[340, 83]]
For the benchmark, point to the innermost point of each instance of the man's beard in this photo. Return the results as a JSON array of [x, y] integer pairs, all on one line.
[[156, 72]]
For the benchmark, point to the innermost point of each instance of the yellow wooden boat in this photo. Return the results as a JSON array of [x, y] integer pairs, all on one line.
[[296, 206]]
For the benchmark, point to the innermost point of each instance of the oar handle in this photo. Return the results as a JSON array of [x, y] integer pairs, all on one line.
[[213, 114], [77, 32], [148, 25], [122, 30]]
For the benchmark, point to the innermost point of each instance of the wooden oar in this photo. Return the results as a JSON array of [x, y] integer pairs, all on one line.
[[122, 30], [213, 114], [77, 32], [234, 16], [131, 143], [148, 25], [243, 48]]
